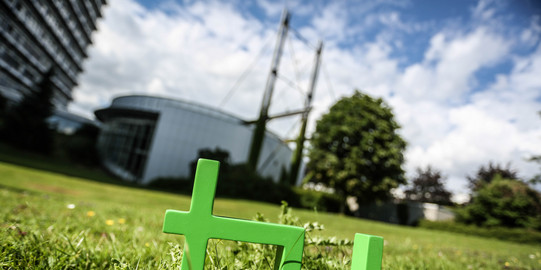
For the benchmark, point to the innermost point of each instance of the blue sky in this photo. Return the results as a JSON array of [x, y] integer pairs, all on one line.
[[461, 76]]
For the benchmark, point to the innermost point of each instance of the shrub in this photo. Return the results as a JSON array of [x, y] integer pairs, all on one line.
[[321, 201], [238, 181], [243, 182], [504, 203], [81, 146]]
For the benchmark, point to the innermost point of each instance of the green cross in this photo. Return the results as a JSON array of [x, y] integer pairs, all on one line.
[[198, 225]]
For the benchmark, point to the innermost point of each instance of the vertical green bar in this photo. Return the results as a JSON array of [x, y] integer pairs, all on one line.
[[367, 252]]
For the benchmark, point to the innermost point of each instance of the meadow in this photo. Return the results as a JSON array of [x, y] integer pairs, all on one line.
[[59, 221]]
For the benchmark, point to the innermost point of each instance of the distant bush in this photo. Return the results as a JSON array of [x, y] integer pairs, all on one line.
[[503, 203], [81, 146], [526, 236], [320, 201], [240, 182], [234, 181]]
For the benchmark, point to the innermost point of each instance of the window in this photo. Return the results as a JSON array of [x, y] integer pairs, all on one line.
[[125, 143]]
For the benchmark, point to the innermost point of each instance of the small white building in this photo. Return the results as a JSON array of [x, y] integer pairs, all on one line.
[[145, 137]]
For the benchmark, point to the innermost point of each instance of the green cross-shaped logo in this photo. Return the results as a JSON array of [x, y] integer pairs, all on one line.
[[199, 225]]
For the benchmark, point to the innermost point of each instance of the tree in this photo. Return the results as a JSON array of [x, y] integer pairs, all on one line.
[[537, 178], [504, 202], [357, 151], [3, 109], [81, 145], [25, 124], [428, 187], [485, 175]]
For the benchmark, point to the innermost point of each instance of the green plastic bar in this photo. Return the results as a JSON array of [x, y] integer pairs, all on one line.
[[367, 252], [199, 225]]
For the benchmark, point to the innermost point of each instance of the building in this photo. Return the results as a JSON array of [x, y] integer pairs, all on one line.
[[37, 36], [404, 213], [143, 138]]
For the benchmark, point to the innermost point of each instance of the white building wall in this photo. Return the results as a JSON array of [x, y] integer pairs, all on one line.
[[183, 129]]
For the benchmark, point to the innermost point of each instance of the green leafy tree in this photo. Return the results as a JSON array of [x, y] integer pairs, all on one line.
[[357, 151], [504, 202], [485, 175], [428, 186], [25, 124]]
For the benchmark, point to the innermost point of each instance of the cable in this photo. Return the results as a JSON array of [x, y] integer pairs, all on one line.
[[291, 84], [245, 73], [294, 61], [303, 39], [329, 83]]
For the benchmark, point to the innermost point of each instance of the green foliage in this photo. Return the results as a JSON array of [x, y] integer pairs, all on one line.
[[234, 181], [485, 175], [217, 154], [357, 151], [504, 202], [317, 200], [518, 235], [80, 147], [428, 186], [25, 124]]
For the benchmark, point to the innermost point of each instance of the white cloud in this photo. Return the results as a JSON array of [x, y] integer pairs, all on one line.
[[447, 72], [197, 51], [272, 9], [332, 22]]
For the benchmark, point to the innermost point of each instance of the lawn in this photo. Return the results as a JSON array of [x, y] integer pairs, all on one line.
[[55, 220]]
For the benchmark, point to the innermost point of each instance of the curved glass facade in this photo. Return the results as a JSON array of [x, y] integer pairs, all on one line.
[[144, 138]]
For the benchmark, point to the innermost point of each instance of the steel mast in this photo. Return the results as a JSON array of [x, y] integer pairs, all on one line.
[[297, 155], [259, 131]]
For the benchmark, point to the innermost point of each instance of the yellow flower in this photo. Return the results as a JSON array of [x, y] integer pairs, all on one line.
[[90, 213], [110, 222], [121, 221], [507, 264], [147, 244]]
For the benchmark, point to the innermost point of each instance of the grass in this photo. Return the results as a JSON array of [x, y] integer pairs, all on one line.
[[65, 221]]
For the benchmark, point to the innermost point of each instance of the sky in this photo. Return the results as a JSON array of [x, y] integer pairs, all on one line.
[[463, 77]]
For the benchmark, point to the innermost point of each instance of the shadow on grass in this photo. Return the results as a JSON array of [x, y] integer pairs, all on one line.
[[12, 155], [55, 164]]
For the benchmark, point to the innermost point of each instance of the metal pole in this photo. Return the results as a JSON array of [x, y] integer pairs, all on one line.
[[297, 155], [259, 131]]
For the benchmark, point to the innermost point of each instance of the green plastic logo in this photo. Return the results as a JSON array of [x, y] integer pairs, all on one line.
[[199, 225]]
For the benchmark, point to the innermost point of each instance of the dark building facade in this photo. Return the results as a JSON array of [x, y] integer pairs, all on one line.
[[41, 35]]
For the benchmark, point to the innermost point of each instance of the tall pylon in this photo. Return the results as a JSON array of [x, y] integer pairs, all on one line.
[[297, 155], [259, 131]]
